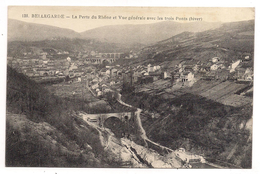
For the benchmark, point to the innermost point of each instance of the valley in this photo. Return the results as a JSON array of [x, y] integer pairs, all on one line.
[[183, 99]]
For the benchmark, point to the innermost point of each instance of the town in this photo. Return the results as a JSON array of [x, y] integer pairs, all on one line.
[[102, 73]]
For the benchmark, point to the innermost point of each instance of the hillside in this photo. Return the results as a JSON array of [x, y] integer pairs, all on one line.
[[123, 34], [145, 33], [23, 31], [229, 42], [41, 130], [222, 134], [65, 44]]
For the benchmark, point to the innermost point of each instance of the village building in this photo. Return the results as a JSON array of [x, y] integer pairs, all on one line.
[[166, 75], [113, 72], [43, 55], [246, 56], [186, 77], [95, 86], [155, 75], [234, 65], [108, 72], [244, 74], [103, 72], [214, 67], [215, 59]]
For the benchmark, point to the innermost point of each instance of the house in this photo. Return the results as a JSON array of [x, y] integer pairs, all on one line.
[[95, 86], [149, 68], [119, 73], [99, 93], [112, 83], [248, 76], [215, 59], [240, 73], [43, 55], [108, 72], [45, 61], [244, 74], [155, 75], [214, 67], [103, 71], [113, 72], [68, 59], [246, 56], [234, 65], [157, 67], [186, 76], [166, 75]]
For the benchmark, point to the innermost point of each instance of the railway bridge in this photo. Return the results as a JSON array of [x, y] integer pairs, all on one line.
[[104, 57], [99, 60]]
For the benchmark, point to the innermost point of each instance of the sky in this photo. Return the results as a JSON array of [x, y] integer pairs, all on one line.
[[82, 23]]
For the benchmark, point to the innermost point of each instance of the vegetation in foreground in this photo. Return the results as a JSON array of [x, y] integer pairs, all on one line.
[[41, 130]]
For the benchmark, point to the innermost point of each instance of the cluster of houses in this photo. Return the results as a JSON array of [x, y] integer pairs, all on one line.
[[96, 54], [185, 70], [240, 70], [189, 70], [44, 67]]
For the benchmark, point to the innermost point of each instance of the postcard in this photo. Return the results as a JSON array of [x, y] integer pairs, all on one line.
[[130, 87]]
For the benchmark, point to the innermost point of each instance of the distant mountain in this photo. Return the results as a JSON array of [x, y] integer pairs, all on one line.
[[24, 31], [123, 34], [145, 33]]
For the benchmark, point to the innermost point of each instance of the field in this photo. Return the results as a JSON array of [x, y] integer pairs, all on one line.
[[222, 92]]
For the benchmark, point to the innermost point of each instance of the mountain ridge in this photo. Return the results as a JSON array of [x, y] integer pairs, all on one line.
[[125, 34]]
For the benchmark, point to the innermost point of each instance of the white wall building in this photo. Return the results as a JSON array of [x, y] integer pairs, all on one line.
[[234, 65]]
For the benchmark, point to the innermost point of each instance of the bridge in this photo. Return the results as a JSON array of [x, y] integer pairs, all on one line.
[[101, 118], [104, 57], [100, 60]]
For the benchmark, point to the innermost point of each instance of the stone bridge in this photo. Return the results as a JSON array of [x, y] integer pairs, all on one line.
[[101, 118], [99, 60], [104, 57]]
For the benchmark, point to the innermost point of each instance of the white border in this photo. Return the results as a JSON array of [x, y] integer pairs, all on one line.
[[161, 3]]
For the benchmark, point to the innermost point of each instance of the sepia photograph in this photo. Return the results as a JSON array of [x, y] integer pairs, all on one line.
[[129, 87]]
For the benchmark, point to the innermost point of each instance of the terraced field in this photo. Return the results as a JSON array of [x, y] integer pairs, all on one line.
[[222, 92]]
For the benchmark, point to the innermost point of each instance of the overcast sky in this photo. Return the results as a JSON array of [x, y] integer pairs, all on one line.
[[206, 14]]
